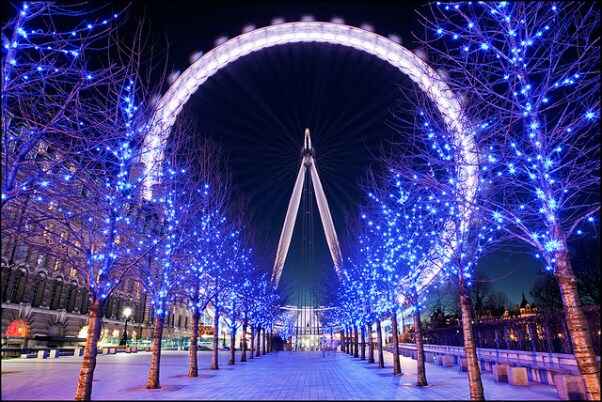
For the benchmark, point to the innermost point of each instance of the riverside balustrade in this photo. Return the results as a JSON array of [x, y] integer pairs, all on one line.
[[535, 332]]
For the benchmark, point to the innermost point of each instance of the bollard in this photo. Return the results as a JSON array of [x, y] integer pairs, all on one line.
[[42, 354], [54, 354]]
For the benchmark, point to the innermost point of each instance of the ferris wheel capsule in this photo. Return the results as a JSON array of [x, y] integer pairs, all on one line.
[[248, 28], [195, 56], [220, 40], [421, 54], [395, 38], [171, 78]]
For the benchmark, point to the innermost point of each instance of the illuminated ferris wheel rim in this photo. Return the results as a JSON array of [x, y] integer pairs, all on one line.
[[293, 308], [429, 81]]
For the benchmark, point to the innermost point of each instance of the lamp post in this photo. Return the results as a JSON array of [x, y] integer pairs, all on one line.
[[127, 312]]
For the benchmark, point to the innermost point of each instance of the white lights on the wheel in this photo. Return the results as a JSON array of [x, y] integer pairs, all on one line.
[[327, 32]]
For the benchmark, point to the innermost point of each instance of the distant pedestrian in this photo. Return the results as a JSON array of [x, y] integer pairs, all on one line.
[[323, 347]]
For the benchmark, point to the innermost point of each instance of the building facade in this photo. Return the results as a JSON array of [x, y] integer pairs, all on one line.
[[44, 302], [45, 306]]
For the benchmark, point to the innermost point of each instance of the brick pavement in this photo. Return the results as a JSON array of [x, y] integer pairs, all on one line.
[[280, 375]]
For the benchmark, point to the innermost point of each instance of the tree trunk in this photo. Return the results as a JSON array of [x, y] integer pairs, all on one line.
[[470, 351], [577, 325], [258, 345], [215, 351], [567, 347], [86, 372], [232, 360], [396, 361], [532, 336], [193, 366], [350, 341], [268, 339], [342, 336], [263, 342], [356, 349], [252, 351], [363, 343], [548, 336], [152, 381], [243, 342], [497, 339], [370, 344], [421, 371], [379, 339]]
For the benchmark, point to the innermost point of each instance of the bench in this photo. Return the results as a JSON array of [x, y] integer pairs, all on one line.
[[106, 350], [518, 376], [569, 387], [542, 374], [27, 355], [536, 371]]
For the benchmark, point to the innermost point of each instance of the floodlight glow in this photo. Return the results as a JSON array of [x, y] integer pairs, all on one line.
[[429, 81]]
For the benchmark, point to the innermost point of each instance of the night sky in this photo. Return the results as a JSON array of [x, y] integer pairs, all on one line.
[[257, 108]]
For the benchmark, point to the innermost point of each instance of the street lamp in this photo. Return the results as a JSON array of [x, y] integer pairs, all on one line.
[[127, 312]]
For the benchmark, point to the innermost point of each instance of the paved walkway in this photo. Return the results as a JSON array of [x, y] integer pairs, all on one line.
[[280, 375]]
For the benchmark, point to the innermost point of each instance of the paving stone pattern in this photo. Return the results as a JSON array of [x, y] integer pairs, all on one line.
[[276, 376]]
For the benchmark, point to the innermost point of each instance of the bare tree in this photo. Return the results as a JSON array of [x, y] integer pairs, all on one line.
[[434, 177], [530, 75], [208, 168], [85, 217], [48, 87], [74, 173], [177, 202]]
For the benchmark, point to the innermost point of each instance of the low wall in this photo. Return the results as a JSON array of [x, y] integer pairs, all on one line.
[[542, 367]]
